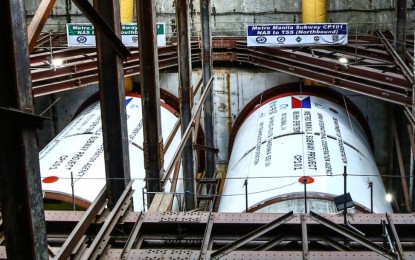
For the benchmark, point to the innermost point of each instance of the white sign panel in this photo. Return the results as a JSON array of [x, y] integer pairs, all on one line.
[[80, 34], [83, 34], [297, 34]]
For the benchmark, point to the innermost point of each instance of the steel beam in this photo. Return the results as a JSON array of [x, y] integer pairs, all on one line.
[[112, 100], [102, 238], [329, 79], [150, 91], [353, 236], [83, 224], [185, 94], [398, 59], [335, 244], [400, 33], [207, 74], [171, 136], [107, 30], [304, 236], [249, 237], [84, 78], [362, 78], [395, 237], [186, 135], [132, 238], [38, 21], [404, 181], [389, 79], [20, 185], [206, 243], [271, 243]]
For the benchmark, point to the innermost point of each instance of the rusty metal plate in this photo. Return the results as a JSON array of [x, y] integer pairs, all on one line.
[[253, 218], [63, 215], [184, 217], [160, 254]]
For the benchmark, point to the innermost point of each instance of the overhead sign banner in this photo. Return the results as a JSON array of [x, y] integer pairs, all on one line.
[[283, 35], [83, 34]]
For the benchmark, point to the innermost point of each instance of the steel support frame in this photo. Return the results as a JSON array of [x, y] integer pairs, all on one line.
[[185, 95], [353, 236], [206, 243], [214, 229], [399, 60], [304, 236], [392, 86], [112, 101], [186, 134], [107, 30], [101, 240], [207, 63], [20, 184], [38, 21], [395, 237], [84, 74], [79, 231], [400, 33], [132, 238], [249, 237], [329, 79], [404, 181], [150, 91]]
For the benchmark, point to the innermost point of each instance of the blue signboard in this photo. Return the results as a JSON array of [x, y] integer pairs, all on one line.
[[297, 34]]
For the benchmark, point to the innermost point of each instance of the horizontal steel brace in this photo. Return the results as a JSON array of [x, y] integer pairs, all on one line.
[[244, 254], [364, 89], [22, 118]]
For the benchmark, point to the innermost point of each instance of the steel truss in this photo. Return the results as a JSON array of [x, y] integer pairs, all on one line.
[[122, 234], [374, 69]]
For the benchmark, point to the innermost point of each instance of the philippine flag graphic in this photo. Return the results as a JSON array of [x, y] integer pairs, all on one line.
[[127, 101], [297, 102]]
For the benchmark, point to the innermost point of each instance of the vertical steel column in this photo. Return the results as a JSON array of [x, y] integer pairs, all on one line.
[[150, 91], [400, 38], [20, 185], [185, 76], [112, 100], [207, 74]]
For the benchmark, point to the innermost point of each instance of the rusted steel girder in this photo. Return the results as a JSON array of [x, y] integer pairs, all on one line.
[[112, 101], [185, 93], [150, 91], [207, 62], [20, 185], [364, 76], [358, 72], [38, 21], [205, 235], [400, 39], [78, 80], [329, 78]]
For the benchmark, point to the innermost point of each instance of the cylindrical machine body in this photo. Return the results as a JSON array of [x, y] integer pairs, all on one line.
[[72, 164], [291, 136]]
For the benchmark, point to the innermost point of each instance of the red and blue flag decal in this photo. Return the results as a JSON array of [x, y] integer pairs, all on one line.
[[300, 102], [127, 101]]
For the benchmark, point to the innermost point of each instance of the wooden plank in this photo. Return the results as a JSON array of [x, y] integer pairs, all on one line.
[[155, 204]]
